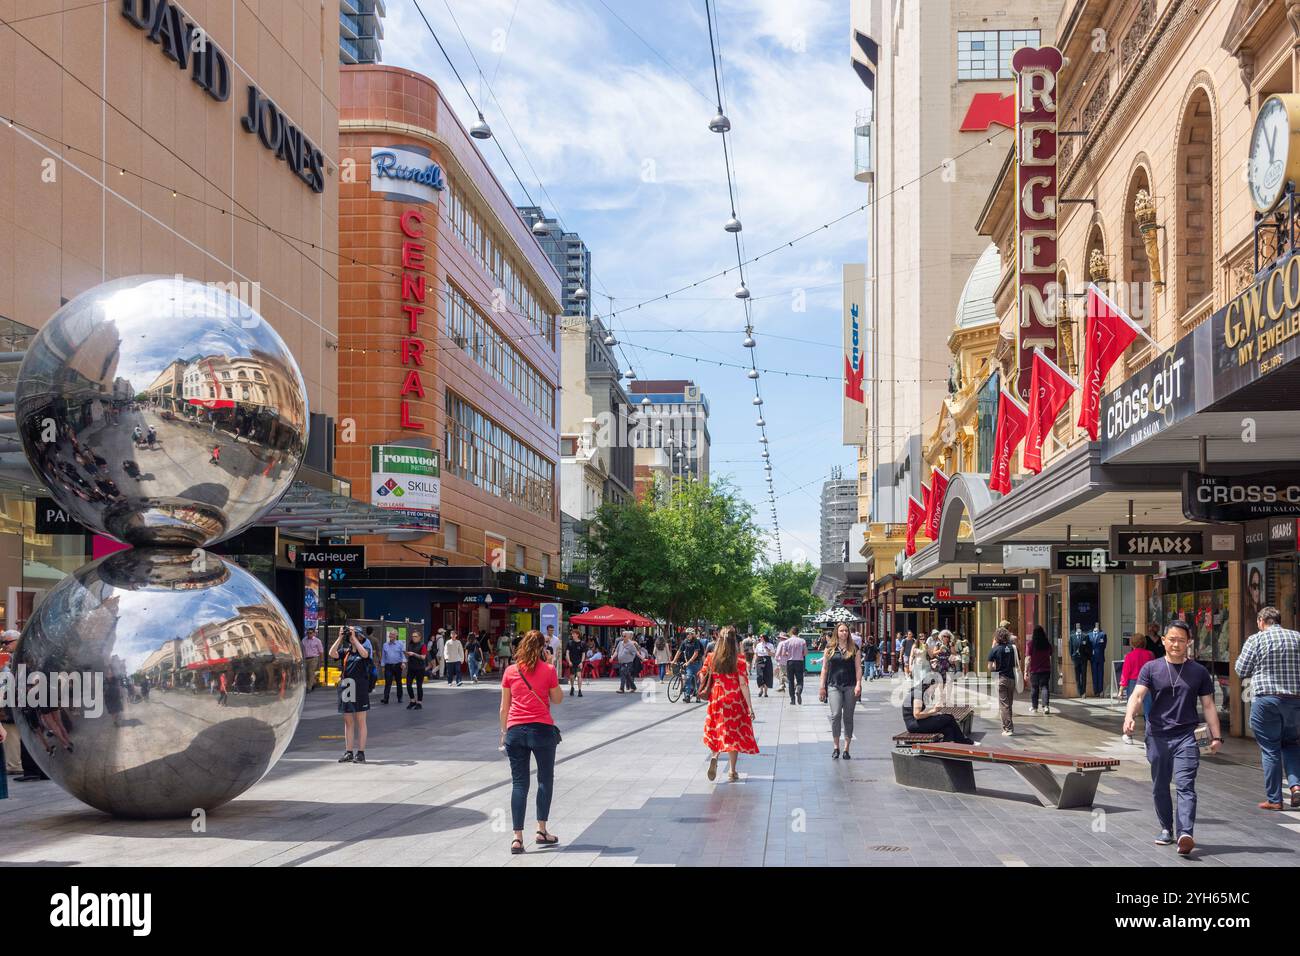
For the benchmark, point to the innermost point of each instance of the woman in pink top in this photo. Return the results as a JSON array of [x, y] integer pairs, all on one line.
[[530, 687], [1128, 675]]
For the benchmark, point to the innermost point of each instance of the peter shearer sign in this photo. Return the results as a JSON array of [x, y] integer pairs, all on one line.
[[1036, 185]]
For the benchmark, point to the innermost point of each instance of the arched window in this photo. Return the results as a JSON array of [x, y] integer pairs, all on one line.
[[1194, 196], [1136, 296]]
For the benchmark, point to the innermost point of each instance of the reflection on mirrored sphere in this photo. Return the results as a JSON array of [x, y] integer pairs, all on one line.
[[173, 681], [162, 410]]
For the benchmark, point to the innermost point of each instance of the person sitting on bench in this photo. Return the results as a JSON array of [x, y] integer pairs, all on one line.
[[920, 720]]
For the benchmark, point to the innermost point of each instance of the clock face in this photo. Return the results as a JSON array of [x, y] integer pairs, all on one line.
[[1269, 145]]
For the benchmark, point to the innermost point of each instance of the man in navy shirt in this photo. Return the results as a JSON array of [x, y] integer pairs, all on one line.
[[1175, 683]]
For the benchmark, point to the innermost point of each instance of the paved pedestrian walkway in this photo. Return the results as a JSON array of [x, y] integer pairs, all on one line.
[[631, 790]]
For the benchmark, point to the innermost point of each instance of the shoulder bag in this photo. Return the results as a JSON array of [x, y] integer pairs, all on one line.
[[520, 671], [1019, 673]]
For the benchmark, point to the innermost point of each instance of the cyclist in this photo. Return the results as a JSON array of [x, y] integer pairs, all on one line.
[[691, 654]]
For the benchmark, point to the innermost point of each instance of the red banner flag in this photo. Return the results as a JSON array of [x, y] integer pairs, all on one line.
[[938, 489], [1049, 390], [1013, 423], [1108, 333], [915, 515], [925, 506]]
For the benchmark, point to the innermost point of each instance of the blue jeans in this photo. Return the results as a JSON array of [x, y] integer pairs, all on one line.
[[523, 741], [1275, 722], [691, 671], [663, 669], [871, 670], [1175, 759], [475, 663]]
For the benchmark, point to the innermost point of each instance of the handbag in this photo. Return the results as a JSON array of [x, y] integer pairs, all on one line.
[[520, 671], [1019, 674]]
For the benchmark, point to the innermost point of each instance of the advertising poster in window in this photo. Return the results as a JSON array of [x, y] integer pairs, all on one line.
[[406, 481]]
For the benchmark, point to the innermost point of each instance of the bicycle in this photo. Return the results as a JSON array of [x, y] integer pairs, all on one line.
[[675, 684]]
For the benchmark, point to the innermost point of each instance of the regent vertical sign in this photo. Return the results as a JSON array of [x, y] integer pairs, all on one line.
[[411, 223], [1036, 185]]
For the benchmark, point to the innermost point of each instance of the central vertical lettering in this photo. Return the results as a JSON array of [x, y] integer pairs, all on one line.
[[411, 222]]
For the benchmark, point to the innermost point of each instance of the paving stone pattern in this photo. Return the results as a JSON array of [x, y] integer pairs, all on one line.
[[631, 790]]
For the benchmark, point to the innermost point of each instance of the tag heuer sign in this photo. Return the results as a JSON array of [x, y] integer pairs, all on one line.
[[327, 555], [1241, 497], [1176, 543]]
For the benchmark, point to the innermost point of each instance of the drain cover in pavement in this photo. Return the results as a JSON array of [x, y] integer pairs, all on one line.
[[890, 849]]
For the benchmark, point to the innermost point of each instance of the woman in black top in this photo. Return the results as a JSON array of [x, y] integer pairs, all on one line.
[[355, 652], [842, 686], [416, 650]]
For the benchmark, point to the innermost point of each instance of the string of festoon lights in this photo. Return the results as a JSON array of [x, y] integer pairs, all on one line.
[[721, 125]]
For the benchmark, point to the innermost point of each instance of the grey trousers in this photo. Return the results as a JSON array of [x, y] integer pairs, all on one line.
[[842, 703]]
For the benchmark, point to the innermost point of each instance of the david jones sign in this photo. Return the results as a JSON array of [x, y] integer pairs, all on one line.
[[190, 47]]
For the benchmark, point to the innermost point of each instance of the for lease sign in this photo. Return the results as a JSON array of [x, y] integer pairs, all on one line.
[[406, 480]]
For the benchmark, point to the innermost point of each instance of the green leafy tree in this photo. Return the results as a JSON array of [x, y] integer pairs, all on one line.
[[680, 554], [790, 586]]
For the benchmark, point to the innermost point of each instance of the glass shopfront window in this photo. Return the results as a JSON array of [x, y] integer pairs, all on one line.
[[1199, 596]]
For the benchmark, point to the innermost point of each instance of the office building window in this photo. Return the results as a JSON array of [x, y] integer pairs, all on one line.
[[471, 331], [546, 565], [450, 536], [480, 451], [486, 247], [986, 54], [521, 557]]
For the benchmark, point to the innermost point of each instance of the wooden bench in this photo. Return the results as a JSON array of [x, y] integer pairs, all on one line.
[[950, 767], [963, 715], [908, 739]]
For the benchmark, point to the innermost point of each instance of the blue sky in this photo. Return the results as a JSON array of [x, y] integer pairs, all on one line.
[[620, 140]]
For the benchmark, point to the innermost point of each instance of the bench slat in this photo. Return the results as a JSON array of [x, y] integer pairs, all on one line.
[[911, 738], [994, 755]]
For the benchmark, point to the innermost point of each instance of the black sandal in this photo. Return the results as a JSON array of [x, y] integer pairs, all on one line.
[[546, 839], [847, 755], [517, 846], [835, 754]]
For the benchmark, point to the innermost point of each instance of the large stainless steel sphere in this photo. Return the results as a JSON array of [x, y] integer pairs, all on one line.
[[195, 679], [162, 410]]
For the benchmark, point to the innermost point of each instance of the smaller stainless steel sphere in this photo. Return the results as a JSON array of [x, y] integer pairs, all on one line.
[[173, 679], [162, 410]]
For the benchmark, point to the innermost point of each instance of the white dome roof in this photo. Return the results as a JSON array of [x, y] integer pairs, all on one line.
[[975, 307]]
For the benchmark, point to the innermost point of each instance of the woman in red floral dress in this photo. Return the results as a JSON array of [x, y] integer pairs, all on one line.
[[729, 726]]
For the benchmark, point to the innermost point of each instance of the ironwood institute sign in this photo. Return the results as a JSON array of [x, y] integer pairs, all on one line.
[[1036, 189], [1240, 497], [1177, 542]]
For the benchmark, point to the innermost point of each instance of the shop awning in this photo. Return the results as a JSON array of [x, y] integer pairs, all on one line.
[[608, 616], [306, 509]]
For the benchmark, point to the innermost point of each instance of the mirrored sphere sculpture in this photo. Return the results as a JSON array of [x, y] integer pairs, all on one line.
[[162, 411], [188, 676]]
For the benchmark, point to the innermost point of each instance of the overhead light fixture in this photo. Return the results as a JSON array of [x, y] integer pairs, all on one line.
[[742, 292], [630, 375], [540, 228], [481, 130], [760, 423], [765, 453], [763, 440], [610, 341], [720, 123], [752, 373], [580, 293], [758, 400], [749, 342], [732, 224], [645, 402]]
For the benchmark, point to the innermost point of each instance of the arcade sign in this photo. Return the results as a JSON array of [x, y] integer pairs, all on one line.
[[1177, 542], [1036, 192]]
